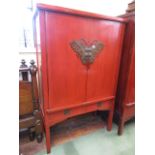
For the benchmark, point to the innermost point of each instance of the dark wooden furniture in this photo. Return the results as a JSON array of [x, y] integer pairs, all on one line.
[[131, 7], [29, 113], [125, 99], [79, 63]]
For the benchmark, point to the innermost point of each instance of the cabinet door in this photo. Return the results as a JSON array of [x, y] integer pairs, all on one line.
[[66, 73], [103, 73], [70, 81]]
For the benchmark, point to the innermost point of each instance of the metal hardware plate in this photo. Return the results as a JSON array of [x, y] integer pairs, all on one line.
[[87, 52]]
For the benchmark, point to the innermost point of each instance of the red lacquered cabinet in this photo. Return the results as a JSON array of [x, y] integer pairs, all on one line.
[[78, 63], [125, 98]]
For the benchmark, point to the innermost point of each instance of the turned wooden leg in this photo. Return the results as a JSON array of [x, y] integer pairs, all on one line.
[[39, 137], [48, 142], [39, 131], [38, 126]]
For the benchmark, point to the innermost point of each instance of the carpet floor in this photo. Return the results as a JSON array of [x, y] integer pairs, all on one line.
[[90, 139]]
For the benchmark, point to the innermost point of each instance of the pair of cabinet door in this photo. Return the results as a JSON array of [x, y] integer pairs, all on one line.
[[69, 80]]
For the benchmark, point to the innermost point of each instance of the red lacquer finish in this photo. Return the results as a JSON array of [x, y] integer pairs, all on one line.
[[125, 100], [69, 87]]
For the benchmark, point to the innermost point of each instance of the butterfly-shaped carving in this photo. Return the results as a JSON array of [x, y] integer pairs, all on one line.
[[87, 53]]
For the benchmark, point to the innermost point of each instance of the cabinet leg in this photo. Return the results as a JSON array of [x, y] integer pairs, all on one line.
[[121, 122], [48, 142], [121, 126], [110, 118]]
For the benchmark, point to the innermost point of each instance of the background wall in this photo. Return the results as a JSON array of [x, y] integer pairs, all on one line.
[[106, 7]]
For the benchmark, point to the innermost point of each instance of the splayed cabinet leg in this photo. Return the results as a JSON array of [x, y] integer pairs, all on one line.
[[48, 141], [121, 127], [110, 118]]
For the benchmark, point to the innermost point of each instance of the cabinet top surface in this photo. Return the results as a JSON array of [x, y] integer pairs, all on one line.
[[78, 13]]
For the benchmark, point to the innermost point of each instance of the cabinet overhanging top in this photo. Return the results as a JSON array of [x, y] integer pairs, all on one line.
[[78, 13]]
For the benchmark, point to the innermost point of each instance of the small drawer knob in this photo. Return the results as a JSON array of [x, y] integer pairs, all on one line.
[[99, 104], [66, 111]]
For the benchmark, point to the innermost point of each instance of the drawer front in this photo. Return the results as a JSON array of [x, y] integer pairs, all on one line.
[[103, 105], [60, 115], [129, 112]]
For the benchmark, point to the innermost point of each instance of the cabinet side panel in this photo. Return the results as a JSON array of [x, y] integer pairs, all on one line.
[[130, 90], [126, 67], [42, 59], [38, 58]]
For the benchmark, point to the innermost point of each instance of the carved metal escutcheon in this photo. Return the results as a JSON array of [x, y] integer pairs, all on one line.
[[87, 52]]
